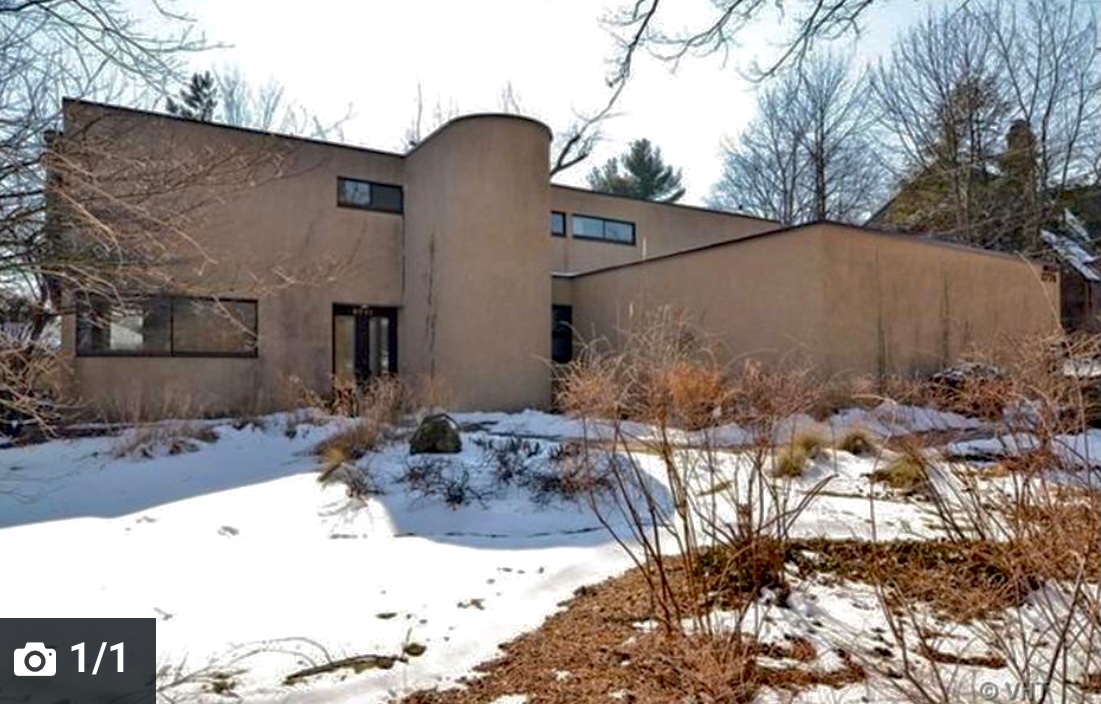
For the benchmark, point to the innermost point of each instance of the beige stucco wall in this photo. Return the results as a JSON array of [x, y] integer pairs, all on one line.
[[476, 318], [898, 303], [659, 229], [846, 300], [562, 289], [280, 239], [469, 267], [762, 296]]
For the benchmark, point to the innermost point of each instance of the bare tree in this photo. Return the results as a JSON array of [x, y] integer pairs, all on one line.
[[111, 210], [989, 113], [268, 107], [569, 147], [50, 49], [805, 156], [1048, 56], [943, 113], [423, 125], [763, 169], [638, 27]]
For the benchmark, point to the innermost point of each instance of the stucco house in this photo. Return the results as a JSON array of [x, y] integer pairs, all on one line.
[[459, 261]]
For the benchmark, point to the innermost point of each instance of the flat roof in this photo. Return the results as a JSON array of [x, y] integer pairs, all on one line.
[[683, 206], [916, 239], [926, 239], [235, 128]]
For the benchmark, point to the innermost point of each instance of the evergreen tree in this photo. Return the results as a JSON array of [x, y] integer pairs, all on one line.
[[198, 100], [639, 173]]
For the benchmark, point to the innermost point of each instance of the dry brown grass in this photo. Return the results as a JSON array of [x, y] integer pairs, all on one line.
[[858, 442], [790, 463], [595, 640], [377, 408], [906, 474], [172, 438], [1000, 550], [352, 443], [690, 394], [382, 400], [959, 581]]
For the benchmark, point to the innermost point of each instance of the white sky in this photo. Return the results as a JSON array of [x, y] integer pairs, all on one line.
[[372, 54]]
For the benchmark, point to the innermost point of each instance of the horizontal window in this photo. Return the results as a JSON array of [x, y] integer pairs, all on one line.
[[354, 193], [167, 326], [591, 228], [558, 224]]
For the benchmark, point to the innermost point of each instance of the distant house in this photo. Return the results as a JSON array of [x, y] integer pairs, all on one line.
[[461, 263], [1074, 245]]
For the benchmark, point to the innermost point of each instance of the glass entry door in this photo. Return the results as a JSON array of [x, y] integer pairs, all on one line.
[[365, 342]]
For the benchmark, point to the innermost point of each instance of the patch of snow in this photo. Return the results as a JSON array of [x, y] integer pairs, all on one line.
[[1082, 450], [1073, 253], [249, 564]]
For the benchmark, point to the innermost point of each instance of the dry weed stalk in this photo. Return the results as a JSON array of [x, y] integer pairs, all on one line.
[[1036, 525], [675, 511]]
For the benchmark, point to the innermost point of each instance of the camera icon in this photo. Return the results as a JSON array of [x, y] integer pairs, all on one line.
[[35, 660]]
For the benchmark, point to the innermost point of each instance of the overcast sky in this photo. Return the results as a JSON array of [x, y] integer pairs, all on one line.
[[372, 54]]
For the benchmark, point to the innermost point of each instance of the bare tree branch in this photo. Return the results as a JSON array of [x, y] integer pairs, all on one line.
[[816, 20]]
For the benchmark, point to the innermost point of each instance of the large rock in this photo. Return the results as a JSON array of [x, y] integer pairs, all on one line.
[[437, 434]]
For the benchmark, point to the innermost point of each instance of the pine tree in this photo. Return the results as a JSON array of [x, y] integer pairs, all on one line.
[[198, 100], [639, 173]]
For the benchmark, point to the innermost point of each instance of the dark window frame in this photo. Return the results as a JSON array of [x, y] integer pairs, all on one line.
[[81, 322], [363, 315], [605, 221], [341, 203], [565, 220], [561, 329]]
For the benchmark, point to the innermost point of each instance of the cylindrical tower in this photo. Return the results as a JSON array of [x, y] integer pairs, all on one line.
[[477, 260]]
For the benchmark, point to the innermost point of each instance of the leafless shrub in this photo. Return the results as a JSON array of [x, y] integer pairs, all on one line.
[[512, 459], [706, 537], [566, 477], [359, 482], [27, 376], [670, 501], [548, 473], [437, 477], [1030, 530]]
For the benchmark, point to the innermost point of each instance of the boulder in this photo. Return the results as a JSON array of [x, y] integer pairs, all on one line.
[[437, 434]]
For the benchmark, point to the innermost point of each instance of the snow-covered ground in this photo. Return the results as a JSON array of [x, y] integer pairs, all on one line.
[[254, 570]]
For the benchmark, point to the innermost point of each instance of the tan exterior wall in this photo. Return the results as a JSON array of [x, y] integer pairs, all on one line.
[[288, 221], [847, 300], [659, 229], [562, 290], [477, 262], [469, 267], [897, 303], [762, 296]]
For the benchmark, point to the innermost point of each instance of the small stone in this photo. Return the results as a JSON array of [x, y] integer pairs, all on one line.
[[414, 650]]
